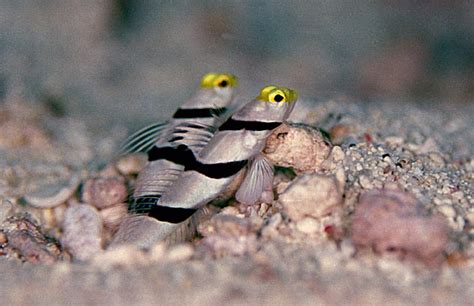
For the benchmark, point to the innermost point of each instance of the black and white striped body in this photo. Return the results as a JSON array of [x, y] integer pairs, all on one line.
[[192, 126], [215, 168], [239, 140], [193, 133], [208, 172]]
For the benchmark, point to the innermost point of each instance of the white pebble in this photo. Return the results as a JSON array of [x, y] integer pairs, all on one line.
[[448, 211], [470, 218], [131, 164], [180, 252], [123, 256], [6, 207], [458, 195], [337, 153], [82, 231], [394, 140], [307, 226], [365, 182], [311, 195], [53, 195]]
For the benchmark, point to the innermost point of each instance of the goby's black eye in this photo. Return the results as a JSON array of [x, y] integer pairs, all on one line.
[[223, 83], [278, 98]]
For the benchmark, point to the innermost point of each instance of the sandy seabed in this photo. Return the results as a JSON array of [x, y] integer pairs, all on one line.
[[320, 242]]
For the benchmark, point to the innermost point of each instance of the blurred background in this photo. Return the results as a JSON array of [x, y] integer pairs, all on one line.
[[132, 62]]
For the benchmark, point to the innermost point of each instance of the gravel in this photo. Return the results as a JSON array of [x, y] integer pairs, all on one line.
[[317, 242]]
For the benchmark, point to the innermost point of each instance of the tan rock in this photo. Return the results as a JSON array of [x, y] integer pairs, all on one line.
[[300, 147], [470, 218], [180, 252], [6, 208], [226, 225], [123, 256], [392, 222], [82, 231], [52, 195], [337, 154], [311, 195], [365, 182], [131, 164], [103, 192], [339, 131], [26, 240], [307, 226], [158, 251]]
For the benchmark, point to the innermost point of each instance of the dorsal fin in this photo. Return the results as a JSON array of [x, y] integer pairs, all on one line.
[[143, 140]]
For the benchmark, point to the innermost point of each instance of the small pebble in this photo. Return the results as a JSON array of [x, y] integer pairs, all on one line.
[[158, 251], [337, 154], [437, 159], [311, 195], [470, 218], [218, 246], [458, 195], [30, 247], [48, 218], [271, 229], [104, 192], [428, 146], [110, 171], [3, 237], [24, 134], [448, 211], [25, 238], [131, 164], [59, 214], [230, 210], [6, 208], [228, 235], [459, 223], [394, 140], [53, 195], [82, 231], [340, 177], [226, 225], [123, 256], [365, 182], [180, 252], [339, 131], [395, 223], [307, 226], [275, 220]]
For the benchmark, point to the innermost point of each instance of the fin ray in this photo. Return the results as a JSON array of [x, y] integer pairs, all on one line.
[[143, 139], [259, 178]]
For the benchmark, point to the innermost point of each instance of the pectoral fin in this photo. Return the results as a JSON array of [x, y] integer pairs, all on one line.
[[258, 179]]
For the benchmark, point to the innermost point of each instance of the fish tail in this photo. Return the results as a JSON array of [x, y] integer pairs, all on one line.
[[187, 230], [142, 231], [145, 231]]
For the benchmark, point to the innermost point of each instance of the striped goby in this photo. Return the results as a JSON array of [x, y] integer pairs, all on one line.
[[238, 141], [192, 126]]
